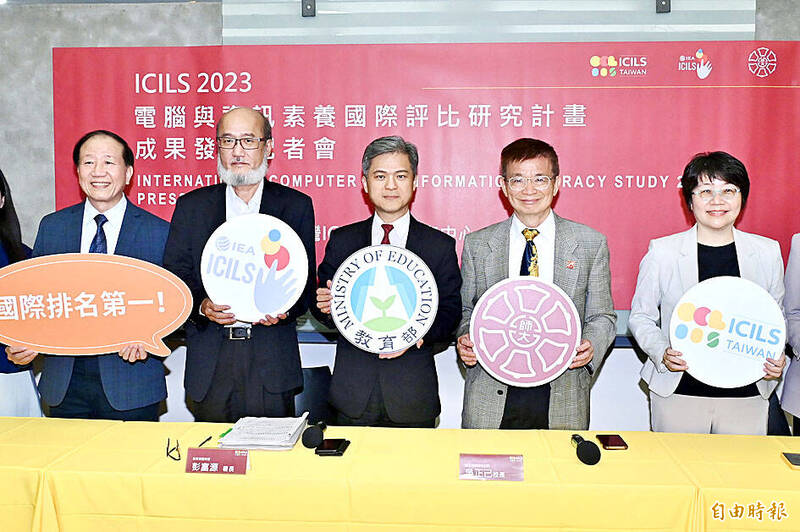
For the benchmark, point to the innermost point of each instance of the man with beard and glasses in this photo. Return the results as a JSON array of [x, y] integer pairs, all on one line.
[[236, 369]]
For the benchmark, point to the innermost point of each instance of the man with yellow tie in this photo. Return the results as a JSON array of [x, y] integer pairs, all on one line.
[[535, 241]]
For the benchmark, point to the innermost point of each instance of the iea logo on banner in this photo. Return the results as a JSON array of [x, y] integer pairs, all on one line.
[[384, 299], [525, 331], [256, 264]]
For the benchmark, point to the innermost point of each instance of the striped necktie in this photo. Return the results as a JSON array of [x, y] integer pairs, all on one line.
[[99, 244]]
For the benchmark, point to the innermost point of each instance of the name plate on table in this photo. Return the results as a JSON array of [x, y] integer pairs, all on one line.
[[491, 467], [256, 264], [384, 299], [525, 331], [726, 328], [221, 461]]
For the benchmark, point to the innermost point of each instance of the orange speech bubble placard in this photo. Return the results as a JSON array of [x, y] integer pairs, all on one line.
[[90, 304]]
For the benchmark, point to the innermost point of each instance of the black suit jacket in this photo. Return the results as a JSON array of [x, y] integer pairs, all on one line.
[[197, 214], [409, 383]]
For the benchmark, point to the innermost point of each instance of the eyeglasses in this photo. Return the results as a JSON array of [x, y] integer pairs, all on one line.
[[539, 182], [248, 143], [725, 193], [174, 452]]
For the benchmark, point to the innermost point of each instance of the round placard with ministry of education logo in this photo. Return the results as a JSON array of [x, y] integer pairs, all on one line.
[[525, 330], [256, 264], [384, 299], [726, 328]]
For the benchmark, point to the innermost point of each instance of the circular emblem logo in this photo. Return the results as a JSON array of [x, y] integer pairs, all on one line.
[[726, 328], [762, 62], [525, 331], [384, 299], [256, 264]]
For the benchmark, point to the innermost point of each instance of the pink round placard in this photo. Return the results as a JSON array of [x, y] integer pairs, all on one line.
[[525, 331]]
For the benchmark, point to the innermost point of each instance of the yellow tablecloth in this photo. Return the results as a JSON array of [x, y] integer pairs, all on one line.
[[735, 473], [102, 475]]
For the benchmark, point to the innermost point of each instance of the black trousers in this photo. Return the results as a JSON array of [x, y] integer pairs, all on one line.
[[527, 408], [236, 390], [776, 419], [85, 398], [375, 415]]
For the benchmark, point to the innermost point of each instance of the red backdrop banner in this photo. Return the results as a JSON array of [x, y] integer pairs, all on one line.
[[624, 118]]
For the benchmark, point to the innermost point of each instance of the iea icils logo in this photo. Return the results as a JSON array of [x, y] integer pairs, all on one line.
[[256, 264], [699, 62]]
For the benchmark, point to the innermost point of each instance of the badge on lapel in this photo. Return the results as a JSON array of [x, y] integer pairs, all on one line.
[[570, 264]]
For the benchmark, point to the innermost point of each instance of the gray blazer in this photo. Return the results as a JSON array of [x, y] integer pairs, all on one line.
[[588, 283], [667, 271], [790, 400]]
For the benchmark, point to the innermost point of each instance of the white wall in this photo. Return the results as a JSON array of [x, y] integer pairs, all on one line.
[[618, 402]]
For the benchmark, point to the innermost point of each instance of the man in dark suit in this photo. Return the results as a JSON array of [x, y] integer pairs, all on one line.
[[128, 385], [236, 369], [394, 389]]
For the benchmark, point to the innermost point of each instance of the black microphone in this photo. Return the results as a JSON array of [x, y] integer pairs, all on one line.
[[313, 436], [588, 452]]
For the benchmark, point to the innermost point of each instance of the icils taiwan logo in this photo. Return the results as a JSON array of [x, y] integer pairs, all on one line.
[[621, 65], [699, 62], [738, 335], [726, 327], [696, 320], [384, 299], [762, 62], [525, 331], [256, 264]]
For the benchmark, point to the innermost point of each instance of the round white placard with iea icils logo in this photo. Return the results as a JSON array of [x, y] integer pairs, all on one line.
[[726, 328], [256, 264], [525, 331], [384, 299]]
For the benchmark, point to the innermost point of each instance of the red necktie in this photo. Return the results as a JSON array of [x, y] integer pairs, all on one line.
[[387, 228]]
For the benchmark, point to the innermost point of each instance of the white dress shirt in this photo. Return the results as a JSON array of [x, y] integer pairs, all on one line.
[[545, 243], [111, 228], [399, 233], [236, 206]]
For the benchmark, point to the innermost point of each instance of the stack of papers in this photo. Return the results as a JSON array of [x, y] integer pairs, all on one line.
[[272, 433]]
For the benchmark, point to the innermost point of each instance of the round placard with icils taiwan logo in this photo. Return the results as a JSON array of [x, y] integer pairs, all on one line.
[[256, 264], [384, 299], [525, 331], [726, 328]]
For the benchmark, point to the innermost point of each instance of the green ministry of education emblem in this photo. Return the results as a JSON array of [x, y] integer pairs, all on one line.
[[384, 299]]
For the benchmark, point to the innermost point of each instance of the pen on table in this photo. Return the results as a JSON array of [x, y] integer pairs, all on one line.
[[205, 441], [224, 433]]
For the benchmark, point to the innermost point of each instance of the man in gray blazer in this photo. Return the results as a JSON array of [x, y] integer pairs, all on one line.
[[572, 256]]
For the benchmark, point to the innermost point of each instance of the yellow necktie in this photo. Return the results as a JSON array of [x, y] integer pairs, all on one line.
[[530, 259]]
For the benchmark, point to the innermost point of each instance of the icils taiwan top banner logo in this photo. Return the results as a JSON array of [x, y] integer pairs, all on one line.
[[256, 264], [726, 328], [525, 331], [384, 299]]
